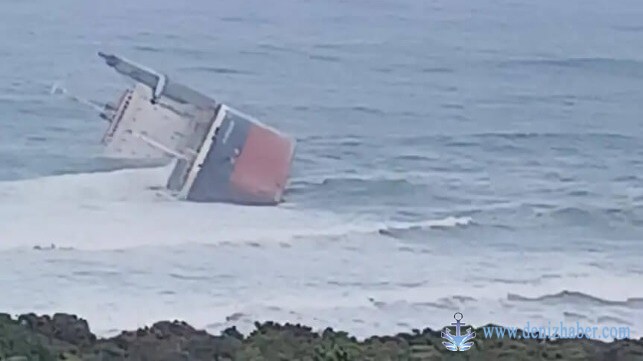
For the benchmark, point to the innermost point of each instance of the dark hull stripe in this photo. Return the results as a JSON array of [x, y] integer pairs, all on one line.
[[212, 183]]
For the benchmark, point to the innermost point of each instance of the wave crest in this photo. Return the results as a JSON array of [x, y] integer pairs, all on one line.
[[125, 209], [573, 297]]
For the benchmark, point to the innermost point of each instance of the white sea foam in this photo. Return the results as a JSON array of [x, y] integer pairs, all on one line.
[[128, 208], [363, 286], [358, 311]]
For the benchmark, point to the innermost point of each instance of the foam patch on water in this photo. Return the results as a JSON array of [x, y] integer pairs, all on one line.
[[356, 312], [128, 208]]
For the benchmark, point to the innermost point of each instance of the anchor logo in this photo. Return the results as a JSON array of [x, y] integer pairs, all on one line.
[[458, 342]]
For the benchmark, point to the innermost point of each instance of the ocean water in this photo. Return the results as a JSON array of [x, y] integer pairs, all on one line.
[[453, 156]]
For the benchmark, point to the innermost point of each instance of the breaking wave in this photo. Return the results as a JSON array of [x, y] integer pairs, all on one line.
[[361, 181], [127, 208], [571, 297]]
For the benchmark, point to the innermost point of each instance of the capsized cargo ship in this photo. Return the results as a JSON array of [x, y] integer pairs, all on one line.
[[219, 154]]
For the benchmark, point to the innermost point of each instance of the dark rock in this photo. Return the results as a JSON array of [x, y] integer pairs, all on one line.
[[65, 337], [233, 332], [64, 327]]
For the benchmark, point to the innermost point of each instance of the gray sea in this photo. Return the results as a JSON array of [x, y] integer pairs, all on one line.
[[482, 157]]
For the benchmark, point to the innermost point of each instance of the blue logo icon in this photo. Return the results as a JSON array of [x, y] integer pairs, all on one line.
[[458, 342]]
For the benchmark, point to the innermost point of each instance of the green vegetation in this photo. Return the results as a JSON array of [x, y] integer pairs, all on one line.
[[66, 337]]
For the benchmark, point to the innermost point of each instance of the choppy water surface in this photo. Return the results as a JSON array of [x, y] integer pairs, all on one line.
[[485, 158]]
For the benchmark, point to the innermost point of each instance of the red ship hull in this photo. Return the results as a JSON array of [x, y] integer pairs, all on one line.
[[242, 161]]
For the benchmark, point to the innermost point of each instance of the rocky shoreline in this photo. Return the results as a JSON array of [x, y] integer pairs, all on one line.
[[67, 337]]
